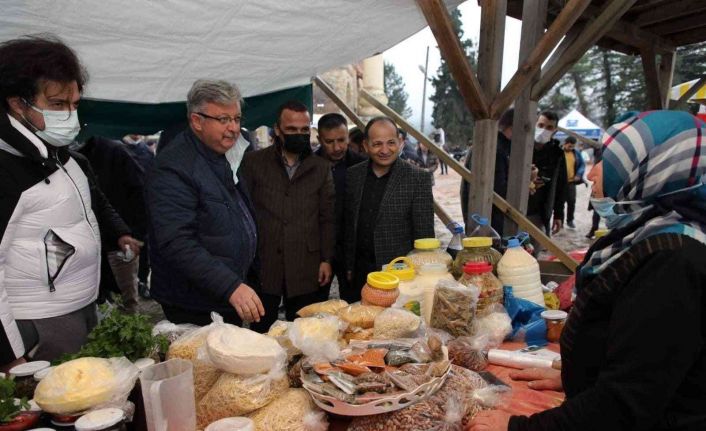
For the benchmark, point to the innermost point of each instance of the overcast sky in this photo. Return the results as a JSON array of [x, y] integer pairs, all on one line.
[[408, 55]]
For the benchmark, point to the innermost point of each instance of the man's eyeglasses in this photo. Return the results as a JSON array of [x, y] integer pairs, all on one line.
[[224, 120]]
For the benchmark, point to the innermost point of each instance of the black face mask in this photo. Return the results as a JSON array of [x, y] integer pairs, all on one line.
[[297, 143]]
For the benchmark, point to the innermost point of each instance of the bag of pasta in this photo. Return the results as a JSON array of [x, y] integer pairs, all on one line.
[[289, 412]]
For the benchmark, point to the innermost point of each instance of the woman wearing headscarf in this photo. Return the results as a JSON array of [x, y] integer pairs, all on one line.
[[633, 352]]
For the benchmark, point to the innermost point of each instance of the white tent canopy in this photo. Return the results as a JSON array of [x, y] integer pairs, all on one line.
[[578, 123], [152, 51]]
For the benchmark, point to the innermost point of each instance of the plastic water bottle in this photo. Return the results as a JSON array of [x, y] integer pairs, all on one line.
[[483, 228], [519, 269], [456, 243]]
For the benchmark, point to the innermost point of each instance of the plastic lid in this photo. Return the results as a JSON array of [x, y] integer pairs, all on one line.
[[513, 242], [383, 280], [477, 241], [402, 267], [477, 267], [232, 424], [42, 429], [99, 419], [29, 368], [427, 243], [433, 268], [143, 363], [554, 315], [39, 375], [600, 233]]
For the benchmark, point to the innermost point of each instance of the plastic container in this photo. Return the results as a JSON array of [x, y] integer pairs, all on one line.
[[382, 289], [480, 274], [428, 250], [520, 270], [555, 320], [232, 424], [39, 375], [411, 295], [476, 249], [456, 244], [25, 384], [482, 228], [110, 419], [429, 276]]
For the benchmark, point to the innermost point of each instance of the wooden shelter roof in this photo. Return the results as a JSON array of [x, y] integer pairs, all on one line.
[[660, 24]]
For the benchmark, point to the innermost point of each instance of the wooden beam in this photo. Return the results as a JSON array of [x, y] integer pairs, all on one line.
[[498, 201], [339, 102], [652, 84], [588, 37], [480, 193], [665, 71], [590, 142], [688, 37], [689, 93], [673, 9], [677, 26], [491, 45], [441, 26], [525, 73], [534, 15], [442, 214]]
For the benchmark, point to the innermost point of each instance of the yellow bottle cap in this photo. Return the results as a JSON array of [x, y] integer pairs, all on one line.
[[404, 271], [427, 243], [477, 241], [600, 233], [383, 280]]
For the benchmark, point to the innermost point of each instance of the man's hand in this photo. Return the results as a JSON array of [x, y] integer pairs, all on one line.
[[557, 225], [134, 244], [577, 179], [539, 379], [247, 303], [325, 273], [490, 420]]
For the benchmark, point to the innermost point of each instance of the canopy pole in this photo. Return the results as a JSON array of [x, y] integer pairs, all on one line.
[[498, 201]]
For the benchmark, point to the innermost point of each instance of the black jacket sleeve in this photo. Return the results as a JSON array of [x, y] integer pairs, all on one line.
[[465, 187], [654, 339], [112, 227], [562, 186], [423, 207]]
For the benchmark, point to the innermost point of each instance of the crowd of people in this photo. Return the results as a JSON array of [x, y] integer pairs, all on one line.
[[243, 232]]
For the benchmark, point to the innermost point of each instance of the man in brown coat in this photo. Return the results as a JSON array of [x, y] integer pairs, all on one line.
[[294, 197]]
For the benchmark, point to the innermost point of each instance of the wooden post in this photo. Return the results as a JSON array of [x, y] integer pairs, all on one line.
[[666, 75], [590, 142], [450, 47], [485, 131], [689, 93], [498, 201], [652, 82], [527, 71], [588, 37], [534, 15]]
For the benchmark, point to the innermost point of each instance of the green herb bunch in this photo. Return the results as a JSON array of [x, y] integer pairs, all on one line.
[[8, 407], [121, 334]]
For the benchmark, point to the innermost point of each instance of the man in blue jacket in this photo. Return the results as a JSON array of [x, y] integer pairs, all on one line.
[[202, 231], [575, 167]]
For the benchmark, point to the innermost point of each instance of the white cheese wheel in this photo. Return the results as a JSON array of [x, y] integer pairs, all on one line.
[[242, 351]]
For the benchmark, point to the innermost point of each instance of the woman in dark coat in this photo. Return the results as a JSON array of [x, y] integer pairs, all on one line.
[[633, 349]]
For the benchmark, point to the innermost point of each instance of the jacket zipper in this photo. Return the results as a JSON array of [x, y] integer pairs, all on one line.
[[51, 279]]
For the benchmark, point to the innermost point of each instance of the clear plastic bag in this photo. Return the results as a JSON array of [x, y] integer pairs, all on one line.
[[492, 396], [454, 307], [85, 383], [243, 352], [289, 412], [171, 330], [329, 307], [496, 325], [397, 323], [469, 352], [280, 332], [317, 337], [361, 316]]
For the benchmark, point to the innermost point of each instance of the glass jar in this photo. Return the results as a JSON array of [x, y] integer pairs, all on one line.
[[555, 320], [476, 249], [428, 250], [382, 289], [25, 384], [481, 275]]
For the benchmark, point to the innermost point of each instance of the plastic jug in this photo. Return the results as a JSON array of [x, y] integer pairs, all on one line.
[[483, 228], [519, 269], [410, 294], [168, 394]]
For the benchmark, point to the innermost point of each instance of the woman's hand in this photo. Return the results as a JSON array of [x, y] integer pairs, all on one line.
[[490, 420], [539, 378]]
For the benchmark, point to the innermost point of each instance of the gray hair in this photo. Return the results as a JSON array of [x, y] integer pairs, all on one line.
[[205, 91]]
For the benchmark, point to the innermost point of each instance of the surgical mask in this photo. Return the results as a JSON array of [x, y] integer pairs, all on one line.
[[297, 143], [542, 136], [60, 127]]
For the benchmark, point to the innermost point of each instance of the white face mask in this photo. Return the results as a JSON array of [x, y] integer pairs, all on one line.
[[542, 136], [60, 127]]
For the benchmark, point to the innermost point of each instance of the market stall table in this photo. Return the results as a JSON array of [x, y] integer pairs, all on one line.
[[522, 401]]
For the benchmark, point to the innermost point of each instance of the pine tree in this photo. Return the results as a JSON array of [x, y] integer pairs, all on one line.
[[395, 91], [450, 112]]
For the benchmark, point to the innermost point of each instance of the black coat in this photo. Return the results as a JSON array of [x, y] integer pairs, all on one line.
[[551, 196], [202, 246]]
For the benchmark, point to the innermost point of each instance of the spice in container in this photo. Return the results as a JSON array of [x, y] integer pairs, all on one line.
[[555, 320], [481, 275], [381, 289], [428, 250], [476, 249], [25, 384]]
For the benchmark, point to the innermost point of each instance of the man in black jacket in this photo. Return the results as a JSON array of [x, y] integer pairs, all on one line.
[[333, 137]]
